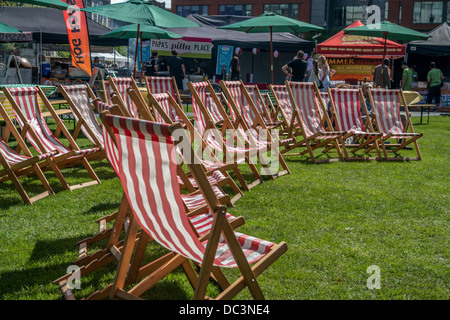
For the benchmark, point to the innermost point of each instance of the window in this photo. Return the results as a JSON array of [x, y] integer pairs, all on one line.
[[428, 12], [288, 10], [344, 16], [184, 11], [448, 11], [235, 9]]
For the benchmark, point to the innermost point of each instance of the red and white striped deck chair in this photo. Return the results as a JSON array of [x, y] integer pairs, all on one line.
[[204, 98], [21, 163], [346, 108], [152, 190], [26, 110], [386, 111], [312, 115], [283, 108], [81, 100], [261, 104], [162, 85], [247, 120], [119, 86]]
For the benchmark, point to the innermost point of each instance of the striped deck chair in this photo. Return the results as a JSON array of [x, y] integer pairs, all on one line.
[[120, 97], [204, 99], [285, 112], [79, 99], [346, 108], [312, 116], [163, 85], [261, 103], [154, 196], [26, 111], [21, 163], [386, 112], [88, 262], [246, 117]]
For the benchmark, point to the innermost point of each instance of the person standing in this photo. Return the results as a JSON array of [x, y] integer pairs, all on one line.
[[162, 66], [235, 69], [407, 77], [176, 68], [324, 76], [151, 66], [296, 68], [434, 78], [386, 75], [313, 74]]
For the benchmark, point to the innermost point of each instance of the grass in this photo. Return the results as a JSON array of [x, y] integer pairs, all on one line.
[[338, 219]]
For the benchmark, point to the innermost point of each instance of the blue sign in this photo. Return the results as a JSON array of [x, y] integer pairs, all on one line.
[[224, 55]]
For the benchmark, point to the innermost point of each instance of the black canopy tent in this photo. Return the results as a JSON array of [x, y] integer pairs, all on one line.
[[48, 25]]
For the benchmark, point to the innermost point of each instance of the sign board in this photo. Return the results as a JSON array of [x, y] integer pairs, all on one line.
[[353, 68], [187, 47], [224, 56]]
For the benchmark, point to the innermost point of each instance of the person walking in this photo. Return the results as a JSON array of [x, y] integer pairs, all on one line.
[[434, 78], [296, 68], [235, 69], [386, 75], [407, 77], [176, 68]]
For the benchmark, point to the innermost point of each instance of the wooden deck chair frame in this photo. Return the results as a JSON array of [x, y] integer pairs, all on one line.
[[21, 163], [170, 87], [258, 121], [349, 119], [119, 96], [209, 170], [74, 155], [84, 116], [226, 124], [221, 226], [407, 134], [321, 138]]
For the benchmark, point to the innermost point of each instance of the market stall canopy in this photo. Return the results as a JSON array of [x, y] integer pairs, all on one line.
[[50, 22], [437, 45], [146, 32], [210, 28], [4, 28], [355, 45], [58, 4]]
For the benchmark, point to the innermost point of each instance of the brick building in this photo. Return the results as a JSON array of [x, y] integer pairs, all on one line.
[[415, 14]]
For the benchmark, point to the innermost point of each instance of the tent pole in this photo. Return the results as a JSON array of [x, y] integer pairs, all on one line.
[[384, 56], [271, 55], [136, 51]]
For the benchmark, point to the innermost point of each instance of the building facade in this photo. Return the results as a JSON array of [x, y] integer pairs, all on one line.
[[414, 14]]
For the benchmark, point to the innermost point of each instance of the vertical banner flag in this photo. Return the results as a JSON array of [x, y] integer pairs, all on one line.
[[77, 31]]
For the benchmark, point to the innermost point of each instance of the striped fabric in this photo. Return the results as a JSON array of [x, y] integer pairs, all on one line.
[[348, 109], [194, 201], [163, 100], [80, 98], [308, 106], [101, 106], [26, 99], [149, 178], [261, 106], [214, 178], [387, 108], [122, 84], [282, 95], [12, 157], [213, 140], [161, 85], [108, 92]]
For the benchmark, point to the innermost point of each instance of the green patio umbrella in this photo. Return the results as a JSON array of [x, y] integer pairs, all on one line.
[[388, 31], [4, 28], [146, 32], [141, 12], [58, 4], [269, 23]]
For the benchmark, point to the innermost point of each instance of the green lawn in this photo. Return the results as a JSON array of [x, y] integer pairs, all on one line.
[[338, 219]]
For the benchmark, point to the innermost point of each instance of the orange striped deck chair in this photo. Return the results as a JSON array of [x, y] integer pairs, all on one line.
[[19, 163], [33, 126], [148, 175], [312, 116], [386, 112], [346, 107]]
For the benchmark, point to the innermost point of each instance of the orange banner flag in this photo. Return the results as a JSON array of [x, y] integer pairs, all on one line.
[[77, 31]]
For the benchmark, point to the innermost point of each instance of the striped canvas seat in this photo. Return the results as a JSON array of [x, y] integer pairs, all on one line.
[[163, 99], [34, 127], [386, 111], [120, 86], [284, 107], [149, 178], [261, 105], [157, 85], [312, 115], [82, 108], [26, 99]]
